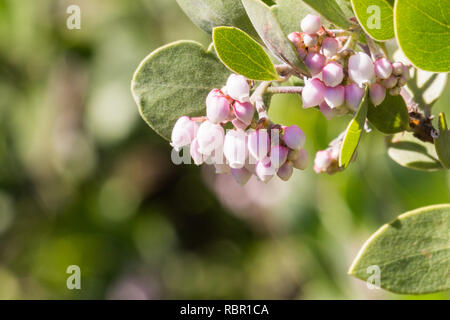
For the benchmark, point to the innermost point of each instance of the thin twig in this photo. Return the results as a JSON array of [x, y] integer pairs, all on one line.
[[258, 100], [292, 90]]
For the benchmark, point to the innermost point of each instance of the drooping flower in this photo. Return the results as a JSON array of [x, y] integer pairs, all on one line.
[[361, 69], [183, 132]]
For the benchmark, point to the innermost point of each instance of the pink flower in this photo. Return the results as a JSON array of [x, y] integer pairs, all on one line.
[[259, 144], [377, 93], [353, 96], [332, 74], [264, 170], [311, 24], [361, 69], [235, 148], [195, 153], [183, 132], [335, 97], [383, 68], [313, 93], [244, 111], [294, 137], [295, 38], [217, 106], [315, 62], [238, 88], [310, 40], [210, 137], [322, 161], [330, 47]]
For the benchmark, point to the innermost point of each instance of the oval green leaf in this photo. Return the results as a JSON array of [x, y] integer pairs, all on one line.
[[413, 153], [389, 117], [270, 31], [442, 143], [353, 134], [174, 81], [422, 28], [208, 14], [411, 254], [243, 55], [376, 17]]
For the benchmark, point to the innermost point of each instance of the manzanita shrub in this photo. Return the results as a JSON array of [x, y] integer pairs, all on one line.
[[212, 104]]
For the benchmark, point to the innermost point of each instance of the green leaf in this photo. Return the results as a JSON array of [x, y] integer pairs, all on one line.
[[353, 134], [443, 142], [270, 31], [413, 153], [422, 28], [333, 10], [243, 55], [412, 252], [174, 81], [376, 17], [291, 12], [208, 14], [391, 116]]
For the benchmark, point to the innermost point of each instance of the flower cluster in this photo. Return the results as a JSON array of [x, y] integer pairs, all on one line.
[[249, 147], [339, 74]]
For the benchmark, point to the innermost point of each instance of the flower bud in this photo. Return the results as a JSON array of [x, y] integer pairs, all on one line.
[[264, 170], [235, 148], [286, 170], [313, 93], [302, 160], [322, 161], [195, 153], [217, 106], [377, 93], [311, 24], [335, 97], [244, 111], [394, 91], [315, 62], [397, 68], [353, 96], [294, 137], [278, 156], [390, 82], [210, 137], [258, 144], [295, 38], [332, 74], [330, 47], [292, 155], [361, 69], [310, 40], [383, 68], [238, 88], [241, 175], [183, 132]]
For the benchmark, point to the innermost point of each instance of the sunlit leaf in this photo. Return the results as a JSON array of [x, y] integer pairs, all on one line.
[[422, 28], [242, 54], [409, 255], [376, 17], [391, 116]]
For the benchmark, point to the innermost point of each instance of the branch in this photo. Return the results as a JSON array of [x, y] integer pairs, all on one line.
[[258, 100], [289, 90]]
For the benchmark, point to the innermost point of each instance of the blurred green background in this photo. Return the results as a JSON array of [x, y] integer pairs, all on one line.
[[84, 181]]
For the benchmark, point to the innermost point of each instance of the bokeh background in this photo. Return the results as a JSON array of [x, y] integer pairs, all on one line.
[[84, 181]]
